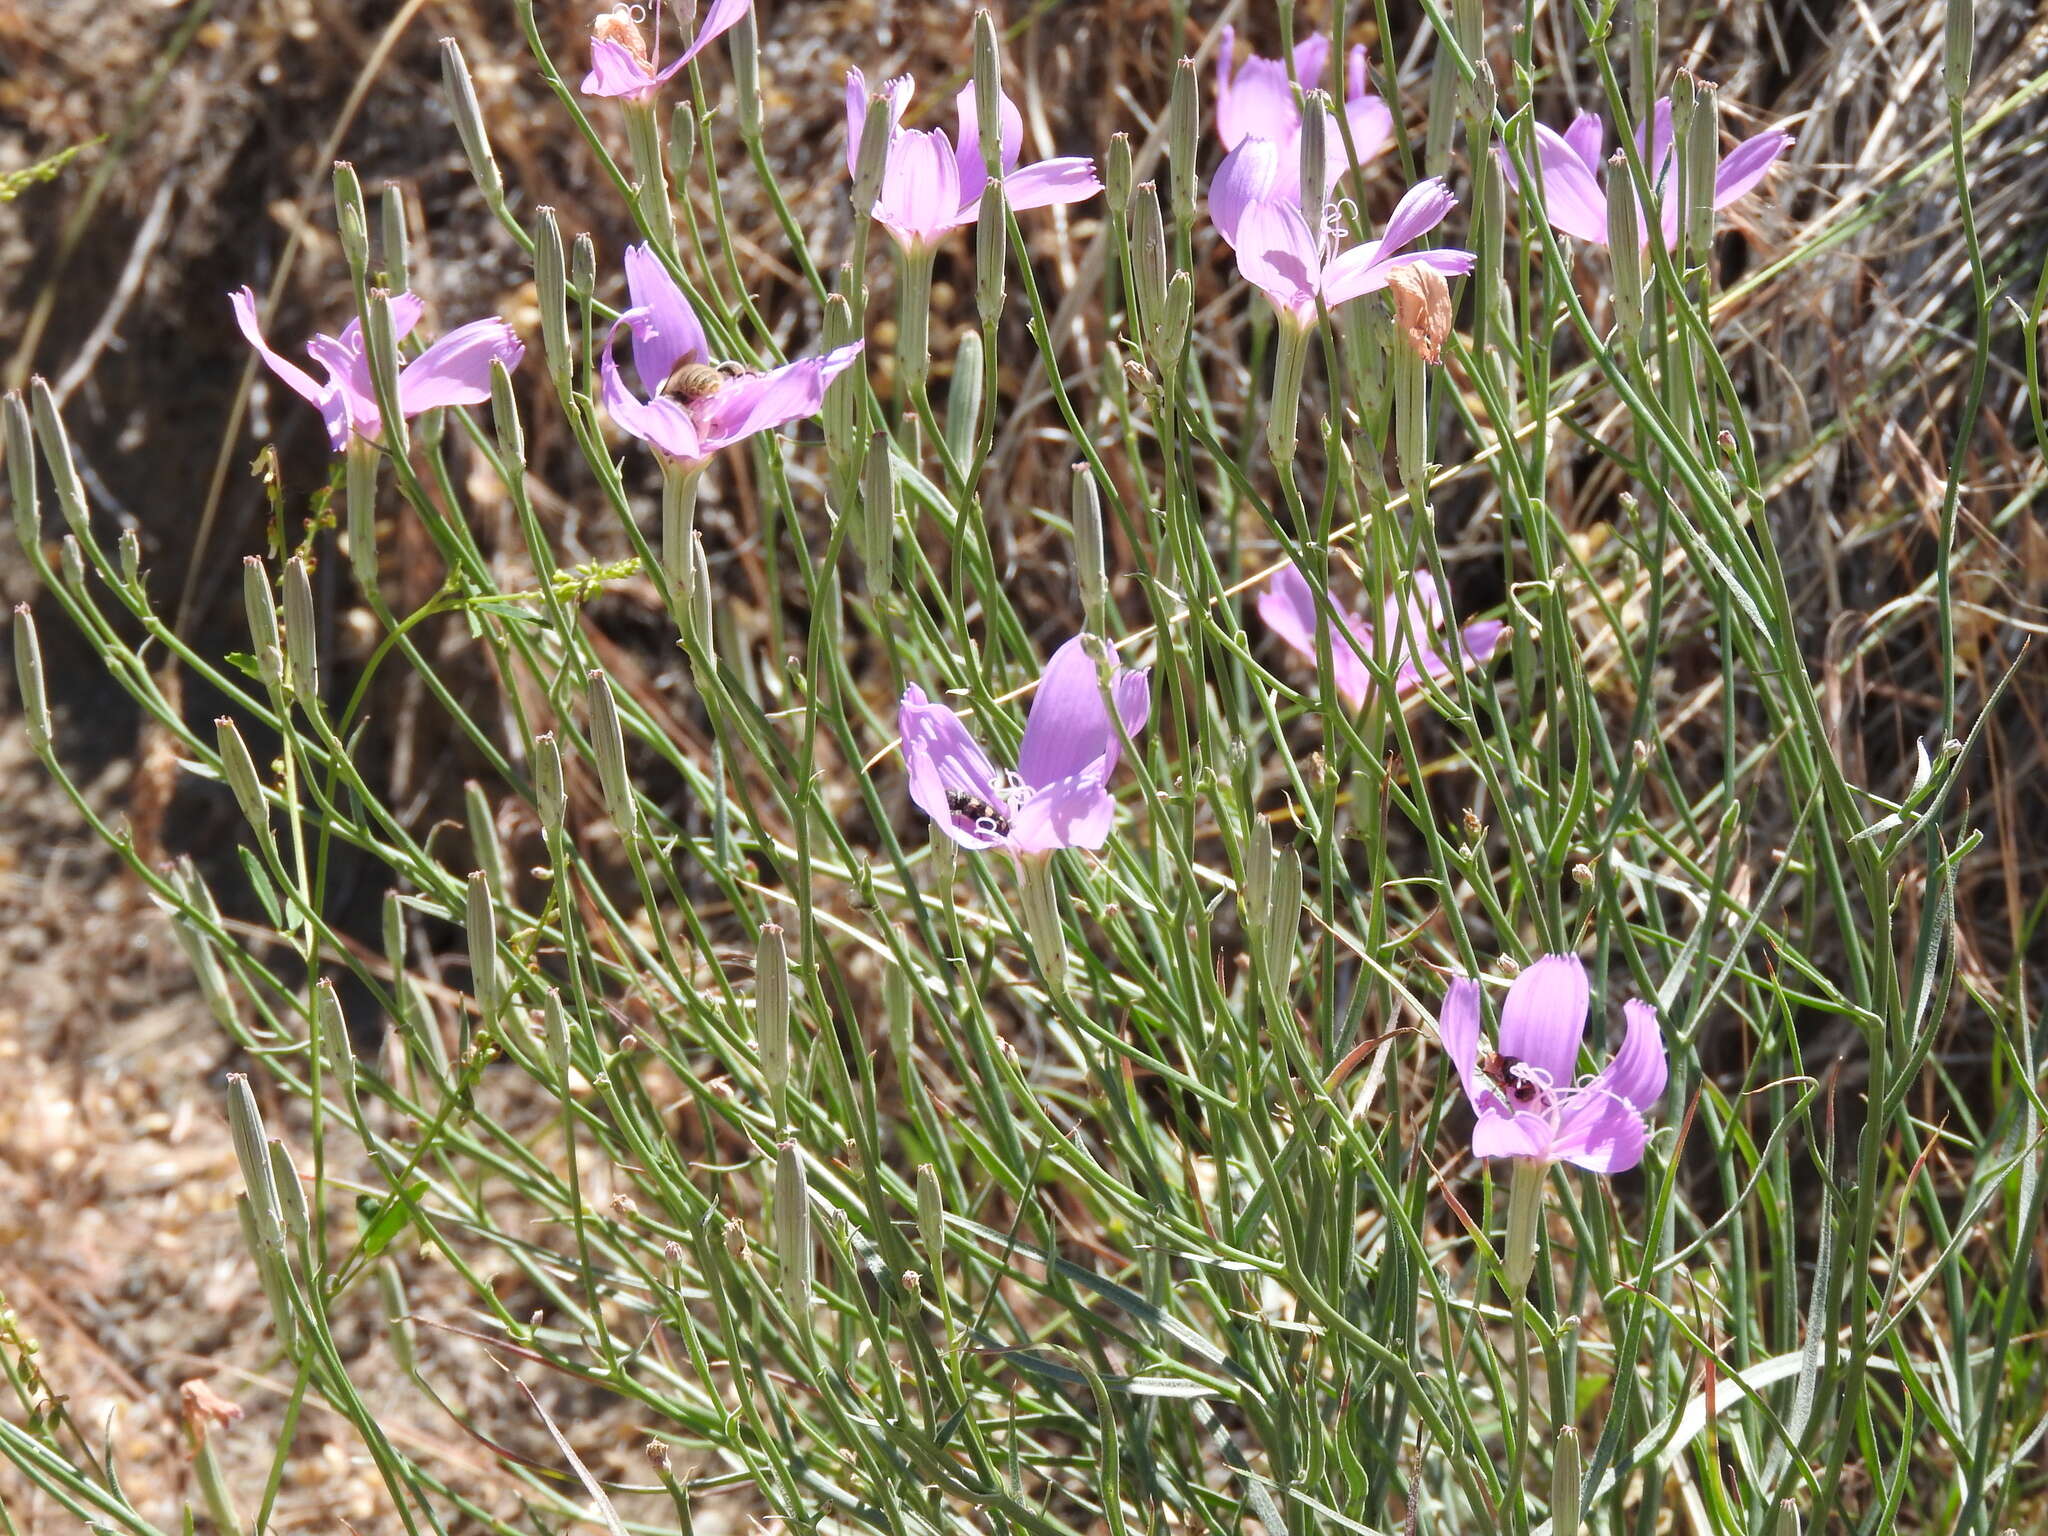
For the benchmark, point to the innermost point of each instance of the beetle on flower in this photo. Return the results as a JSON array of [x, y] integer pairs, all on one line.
[[619, 63], [1058, 797], [1531, 1101], [456, 370]]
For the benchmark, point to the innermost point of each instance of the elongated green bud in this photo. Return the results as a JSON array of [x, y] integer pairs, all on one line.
[[1566, 1469], [261, 609], [842, 395], [771, 1017], [56, 444], [931, 1216], [551, 295], [21, 476], [608, 743], [1411, 417], [1183, 140], [793, 1248], [480, 923], [700, 605], [1468, 22], [1091, 562], [583, 267], [291, 1194], [28, 672], [988, 92], [1255, 893], [963, 400], [875, 130], [252, 1154], [554, 1029], [1315, 155], [1148, 257], [340, 1054], [744, 44], [1625, 248], [469, 122], [1169, 338], [270, 1272], [359, 494], [505, 416], [380, 344], [1044, 934], [875, 527], [1958, 47], [301, 638], [550, 798], [1116, 175], [1701, 147], [991, 256], [239, 769], [1283, 916], [395, 239], [351, 219]]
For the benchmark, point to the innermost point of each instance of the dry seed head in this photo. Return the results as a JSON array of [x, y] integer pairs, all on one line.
[[1422, 308]]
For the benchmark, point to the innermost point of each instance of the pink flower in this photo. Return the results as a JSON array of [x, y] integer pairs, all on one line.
[[1571, 165], [1261, 128], [932, 184], [694, 407], [1294, 265], [456, 370], [619, 65], [1057, 797], [1529, 1098], [1288, 608]]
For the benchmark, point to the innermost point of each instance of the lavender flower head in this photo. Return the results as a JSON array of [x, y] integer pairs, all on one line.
[[1529, 1098], [456, 370], [932, 184], [1260, 126], [1294, 265], [619, 65], [1288, 607], [695, 407], [1574, 191], [1058, 797]]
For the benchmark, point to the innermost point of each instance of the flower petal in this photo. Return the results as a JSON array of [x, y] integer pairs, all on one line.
[[351, 402], [920, 197], [1258, 103], [1639, 1071], [1249, 174], [1067, 179], [1068, 727], [1288, 608], [1311, 58], [967, 151], [1371, 123], [1572, 199], [1075, 812], [666, 333], [615, 71], [762, 402], [1746, 164], [1422, 207], [943, 758], [1587, 138], [661, 423], [720, 16], [1600, 1134], [1499, 1134], [1457, 1026], [1277, 253], [456, 370], [289, 373], [1658, 152], [1544, 1018]]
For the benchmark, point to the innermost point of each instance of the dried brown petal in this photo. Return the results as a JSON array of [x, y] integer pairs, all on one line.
[[200, 1403], [1422, 308]]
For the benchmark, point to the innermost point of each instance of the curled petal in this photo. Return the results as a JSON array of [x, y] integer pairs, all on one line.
[[719, 17], [351, 400], [456, 370], [661, 423], [1639, 1071], [666, 331], [944, 758], [1422, 207], [1457, 1026], [765, 401], [1074, 812], [1746, 164], [1544, 1018], [289, 373], [1067, 179]]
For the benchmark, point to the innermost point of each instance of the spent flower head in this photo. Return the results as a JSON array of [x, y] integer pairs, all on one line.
[[456, 370], [1058, 797], [695, 406], [1531, 1102]]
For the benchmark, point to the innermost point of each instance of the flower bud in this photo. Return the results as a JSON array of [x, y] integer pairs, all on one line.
[[301, 641], [261, 609], [583, 267], [469, 122], [1625, 249], [875, 131], [1116, 175], [21, 476], [340, 1054], [793, 1248], [291, 1194], [1566, 1469], [931, 1216], [1315, 155], [1701, 147], [963, 400], [551, 294], [56, 445], [239, 769], [359, 495], [380, 345], [700, 605], [1958, 45], [608, 744], [1091, 566], [991, 255], [874, 527], [1045, 936], [505, 416], [252, 1154], [351, 219], [396, 242], [549, 796], [743, 42], [1183, 139], [28, 672], [480, 923], [988, 92], [554, 1029], [1148, 257], [771, 1016]]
